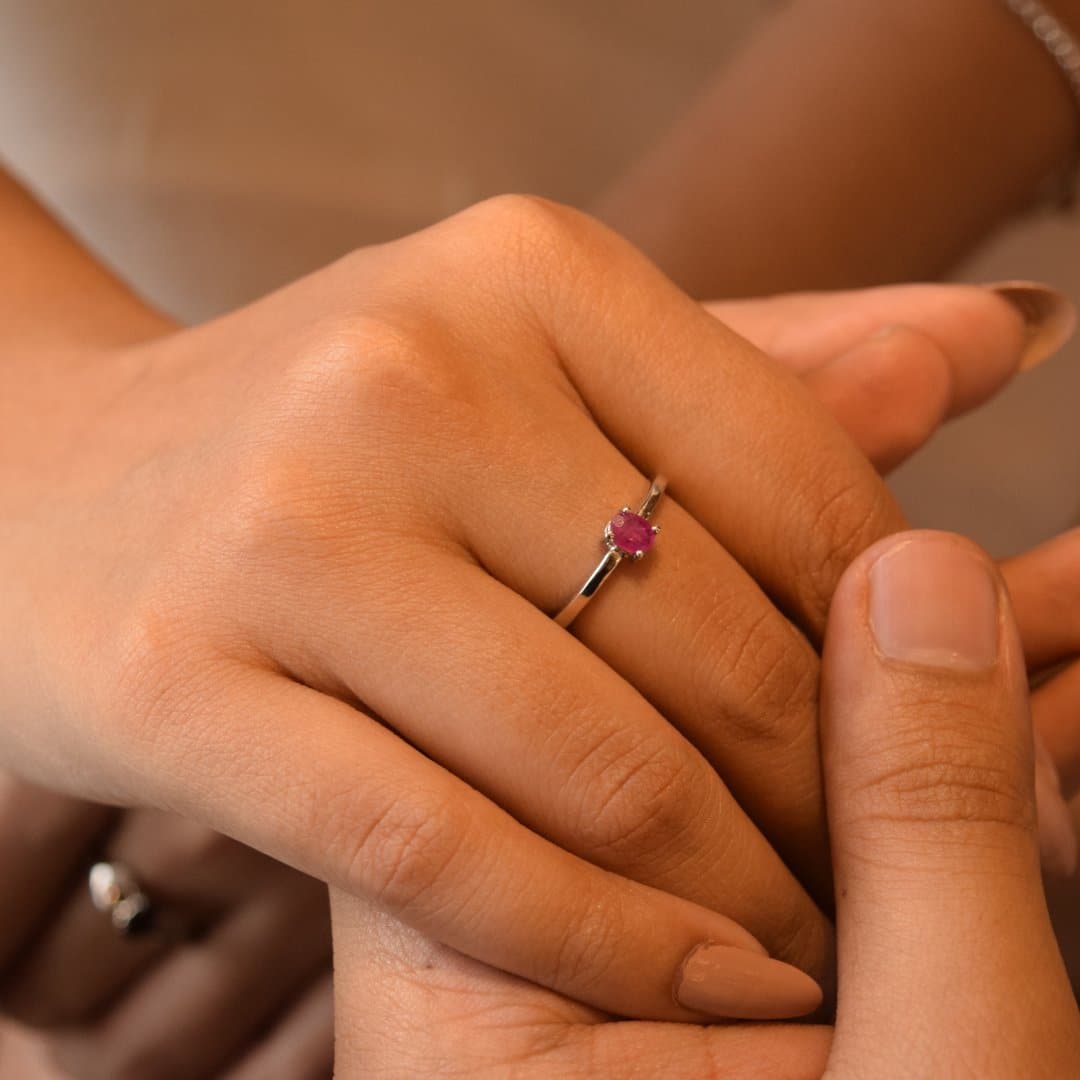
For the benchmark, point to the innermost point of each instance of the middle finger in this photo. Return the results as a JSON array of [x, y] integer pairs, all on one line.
[[688, 627]]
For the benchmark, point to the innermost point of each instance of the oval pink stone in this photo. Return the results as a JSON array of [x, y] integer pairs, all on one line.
[[631, 533]]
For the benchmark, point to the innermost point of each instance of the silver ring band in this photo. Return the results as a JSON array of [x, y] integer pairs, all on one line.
[[115, 892], [627, 535]]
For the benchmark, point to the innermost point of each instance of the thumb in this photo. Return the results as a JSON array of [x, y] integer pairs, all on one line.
[[948, 964]]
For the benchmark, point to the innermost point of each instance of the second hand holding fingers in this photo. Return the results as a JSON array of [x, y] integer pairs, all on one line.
[[928, 758]]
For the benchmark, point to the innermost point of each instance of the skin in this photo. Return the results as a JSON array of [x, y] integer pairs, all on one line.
[[937, 888], [815, 186], [245, 596], [895, 368], [945, 211], [779, 161]]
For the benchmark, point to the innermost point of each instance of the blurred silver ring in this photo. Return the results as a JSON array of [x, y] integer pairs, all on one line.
[[115, 891]]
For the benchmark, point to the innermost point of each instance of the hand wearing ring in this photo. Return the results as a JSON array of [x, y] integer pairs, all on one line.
[[333, 639], [179, 953]]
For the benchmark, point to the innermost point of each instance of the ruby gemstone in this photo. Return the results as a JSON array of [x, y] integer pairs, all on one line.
[[631, 533]]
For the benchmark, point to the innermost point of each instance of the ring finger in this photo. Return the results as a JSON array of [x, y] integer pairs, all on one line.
[[81, 962], [493, 689], [204, 1003]]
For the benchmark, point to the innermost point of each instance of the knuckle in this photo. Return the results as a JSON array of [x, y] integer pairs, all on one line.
[[910, 394], [406, 850], [366, 410], [530, 219], [152, 679], [950, 774], [760, 672], [852, 513], [588, 950], [164, 675], [394, 378], [908, 430], [531, 243], [800, 935], [374, 363], [636, 797]]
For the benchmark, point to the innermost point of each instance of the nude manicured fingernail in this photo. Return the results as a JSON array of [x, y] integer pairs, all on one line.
[[720, 981], [934, 602], [1049, 318]]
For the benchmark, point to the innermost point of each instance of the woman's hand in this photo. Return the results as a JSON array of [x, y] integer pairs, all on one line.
[[234, 964], [289, 573], [947, 961]]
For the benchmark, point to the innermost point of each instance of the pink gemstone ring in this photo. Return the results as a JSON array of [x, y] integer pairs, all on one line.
[[626, 536]]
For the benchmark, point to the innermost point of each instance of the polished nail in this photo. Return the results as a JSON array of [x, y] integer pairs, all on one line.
[[1049, 318], [719, 981], [934, 602]]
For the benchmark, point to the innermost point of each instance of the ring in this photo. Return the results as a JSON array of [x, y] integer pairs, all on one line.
[[115, 891], [626, 536]]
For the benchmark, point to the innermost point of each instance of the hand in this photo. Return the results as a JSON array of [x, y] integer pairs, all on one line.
[[233, 548], [901, 378], [235, 963], [929, 764], [891, 390], [898, 369], [947, 961]]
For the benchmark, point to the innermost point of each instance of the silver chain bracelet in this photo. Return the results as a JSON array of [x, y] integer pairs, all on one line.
[[1064, 49]]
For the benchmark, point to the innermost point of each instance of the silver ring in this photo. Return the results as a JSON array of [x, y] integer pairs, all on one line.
[[115, 891], [626, 536]]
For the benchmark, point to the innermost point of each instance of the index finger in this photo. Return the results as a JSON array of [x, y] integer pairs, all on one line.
[[413, 1006], [374, 817]]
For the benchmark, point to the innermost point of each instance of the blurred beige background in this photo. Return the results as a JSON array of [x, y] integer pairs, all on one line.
[[211, 150]]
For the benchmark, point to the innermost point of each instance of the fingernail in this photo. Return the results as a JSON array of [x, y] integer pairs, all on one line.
[[1057, 837], [1049, 318], [720, 981], [934, 602]]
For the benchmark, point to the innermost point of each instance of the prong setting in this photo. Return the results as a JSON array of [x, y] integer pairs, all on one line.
[[627, 535]]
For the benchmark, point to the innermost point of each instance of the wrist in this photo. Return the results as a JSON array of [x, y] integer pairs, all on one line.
[[992, 78], [55, 295], [908, 129]]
